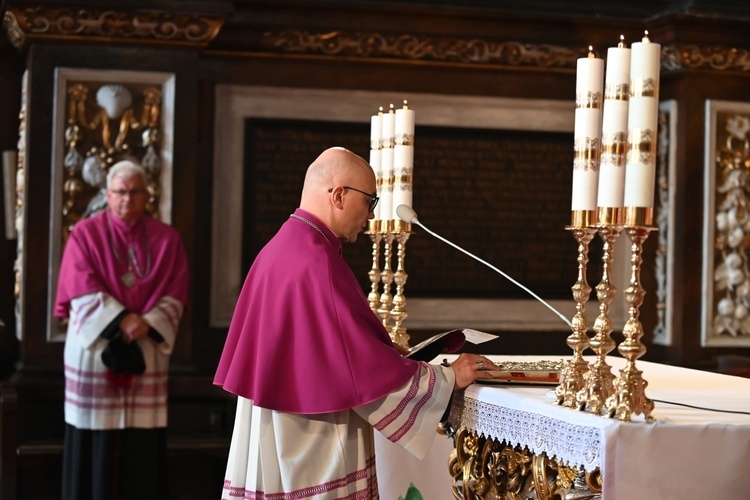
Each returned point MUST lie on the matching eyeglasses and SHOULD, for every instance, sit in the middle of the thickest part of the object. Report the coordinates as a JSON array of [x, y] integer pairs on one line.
[[373, 202], [130, 192]]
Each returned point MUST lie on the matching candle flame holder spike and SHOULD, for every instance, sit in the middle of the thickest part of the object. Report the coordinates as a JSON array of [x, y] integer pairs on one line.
[[572, 375], [629, 397], [386, 277], [373, 231], [398, 311], [598, 382]]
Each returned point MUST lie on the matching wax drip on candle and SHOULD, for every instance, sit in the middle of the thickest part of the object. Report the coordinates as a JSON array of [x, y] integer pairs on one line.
[[591, 52], [645, 37], [621, 45]]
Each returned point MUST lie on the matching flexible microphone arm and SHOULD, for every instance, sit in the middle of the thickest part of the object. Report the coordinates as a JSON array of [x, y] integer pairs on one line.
[[407, 214]]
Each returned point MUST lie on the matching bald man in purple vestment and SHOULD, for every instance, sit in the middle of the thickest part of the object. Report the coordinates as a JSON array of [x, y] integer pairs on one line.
[[123, 288], [313, 367]]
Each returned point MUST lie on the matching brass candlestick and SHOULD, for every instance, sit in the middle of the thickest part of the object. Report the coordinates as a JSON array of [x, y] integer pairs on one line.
[[598, 381], [571, 376], [629, 396], [386, 275], [398, 311], [373, 230]]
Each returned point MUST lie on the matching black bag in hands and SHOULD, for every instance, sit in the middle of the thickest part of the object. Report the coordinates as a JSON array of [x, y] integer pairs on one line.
[[123, 357]]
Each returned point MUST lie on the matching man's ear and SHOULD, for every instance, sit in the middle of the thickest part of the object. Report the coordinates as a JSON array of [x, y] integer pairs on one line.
[[337, 197]]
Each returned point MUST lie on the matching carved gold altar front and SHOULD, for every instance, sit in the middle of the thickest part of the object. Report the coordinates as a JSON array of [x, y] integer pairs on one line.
[[486, 468]]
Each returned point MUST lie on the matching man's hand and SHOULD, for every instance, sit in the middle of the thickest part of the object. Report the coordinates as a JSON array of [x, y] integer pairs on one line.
[[470, 367], [133, 327]]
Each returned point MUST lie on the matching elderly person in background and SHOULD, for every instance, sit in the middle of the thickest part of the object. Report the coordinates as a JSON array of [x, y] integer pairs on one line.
[[123, 286], [313, 366]]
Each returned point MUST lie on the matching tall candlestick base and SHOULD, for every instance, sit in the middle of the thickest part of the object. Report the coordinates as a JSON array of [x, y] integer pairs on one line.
[[572, 374], [629, 396], [398, 311], [598, 382], [386, 276], [373, 298]]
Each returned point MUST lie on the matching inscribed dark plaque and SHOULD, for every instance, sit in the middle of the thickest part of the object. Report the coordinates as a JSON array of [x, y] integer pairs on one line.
[[502, 195]]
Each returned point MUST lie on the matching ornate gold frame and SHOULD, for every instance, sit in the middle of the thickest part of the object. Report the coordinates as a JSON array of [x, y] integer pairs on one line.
[[726, 244]]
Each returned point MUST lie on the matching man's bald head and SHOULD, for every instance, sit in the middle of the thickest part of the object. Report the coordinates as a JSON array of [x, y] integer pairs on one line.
[[323, 193]]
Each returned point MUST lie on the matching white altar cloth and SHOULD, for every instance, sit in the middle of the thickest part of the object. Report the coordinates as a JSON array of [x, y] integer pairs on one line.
[[687, 453]]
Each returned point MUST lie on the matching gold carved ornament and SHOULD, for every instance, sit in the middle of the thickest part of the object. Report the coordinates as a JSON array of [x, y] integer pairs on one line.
[[100, 132], [483, 468]]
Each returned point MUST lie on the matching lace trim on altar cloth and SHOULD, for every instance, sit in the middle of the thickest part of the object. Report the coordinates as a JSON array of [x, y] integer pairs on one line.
[[574, 445]]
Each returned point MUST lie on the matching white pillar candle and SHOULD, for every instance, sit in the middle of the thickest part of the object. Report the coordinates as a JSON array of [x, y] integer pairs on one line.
[[614, 127], [587, 134], [643, 116], [403, 158], [386, 164], [376, 126]]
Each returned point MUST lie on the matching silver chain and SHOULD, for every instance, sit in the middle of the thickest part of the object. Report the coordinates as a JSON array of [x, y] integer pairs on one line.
[[312, 225]]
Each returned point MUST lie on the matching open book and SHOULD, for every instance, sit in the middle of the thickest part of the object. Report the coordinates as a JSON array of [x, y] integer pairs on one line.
[[449, 341], [525, 372]]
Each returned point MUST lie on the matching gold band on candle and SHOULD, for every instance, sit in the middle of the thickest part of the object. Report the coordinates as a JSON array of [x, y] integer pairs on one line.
[[639, 216], [644, 147], [373, 226], [644, 88], [610, 216], [642, 152], [614, 148], [617, 92], [387, 182], [641, 146], [375, 144], [591, 100], [403, 179], [387, 142], [582, 218], [587, 155], [405, 140]]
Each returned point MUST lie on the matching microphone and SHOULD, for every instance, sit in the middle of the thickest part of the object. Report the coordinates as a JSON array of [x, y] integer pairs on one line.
[[407, 214]]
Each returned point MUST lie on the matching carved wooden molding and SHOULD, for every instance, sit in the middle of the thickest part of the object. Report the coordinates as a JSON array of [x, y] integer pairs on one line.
[[93, 25], [674, 57], [414, 47], [721, 58]]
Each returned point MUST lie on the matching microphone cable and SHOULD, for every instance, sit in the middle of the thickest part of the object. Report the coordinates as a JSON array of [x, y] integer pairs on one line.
[[736, 412], [407, 214]]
